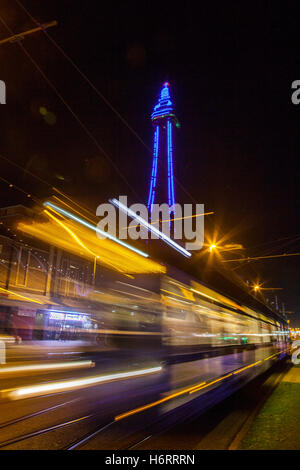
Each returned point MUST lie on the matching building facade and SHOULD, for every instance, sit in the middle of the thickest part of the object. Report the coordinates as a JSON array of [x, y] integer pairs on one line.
[[36, 278]]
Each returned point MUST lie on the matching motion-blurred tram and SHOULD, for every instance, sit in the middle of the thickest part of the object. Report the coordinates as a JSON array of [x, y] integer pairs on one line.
[[168, 314], [194, 317]]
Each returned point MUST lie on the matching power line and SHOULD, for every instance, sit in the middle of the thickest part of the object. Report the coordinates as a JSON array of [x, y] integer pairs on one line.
[[294, 237], [24, 169], [260, 257], [290, 240], [85, 77], [14, 186], [76, 117], [20, 36]]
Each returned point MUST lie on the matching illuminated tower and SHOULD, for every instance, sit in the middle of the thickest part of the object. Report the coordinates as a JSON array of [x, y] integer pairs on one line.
[[164, 120]]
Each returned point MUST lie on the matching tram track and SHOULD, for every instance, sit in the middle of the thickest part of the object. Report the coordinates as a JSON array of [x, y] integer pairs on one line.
[[141, 437], [40, 432], [220, 428], [11, 422], [157, 429]]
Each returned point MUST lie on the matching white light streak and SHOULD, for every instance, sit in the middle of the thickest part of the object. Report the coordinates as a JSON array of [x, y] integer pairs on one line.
[[96, 229], [52, 366], [47, 388], [150, 227]]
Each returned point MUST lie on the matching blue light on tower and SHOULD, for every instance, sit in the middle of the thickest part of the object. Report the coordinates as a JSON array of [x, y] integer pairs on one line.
[[163, 119], [164, 107], [154, 168]]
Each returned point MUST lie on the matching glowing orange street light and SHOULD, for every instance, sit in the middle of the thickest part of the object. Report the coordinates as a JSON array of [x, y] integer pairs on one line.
[[212, 246]]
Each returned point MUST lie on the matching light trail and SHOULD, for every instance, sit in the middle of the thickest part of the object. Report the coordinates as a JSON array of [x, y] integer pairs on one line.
[[154, 230], [21, 296], [155, 403], [92, 227], [68, 385], [53, 366], [80, 243], [211, 383], [169, 220], [73, 209], [190, 390], [247, 367], [71, 200]]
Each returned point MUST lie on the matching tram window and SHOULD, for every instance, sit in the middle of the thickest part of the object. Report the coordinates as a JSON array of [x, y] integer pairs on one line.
[[199, 321], [176, 313]]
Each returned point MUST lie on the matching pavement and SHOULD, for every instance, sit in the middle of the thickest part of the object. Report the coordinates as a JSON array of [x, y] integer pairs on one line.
[[277, 425], [293, 375]]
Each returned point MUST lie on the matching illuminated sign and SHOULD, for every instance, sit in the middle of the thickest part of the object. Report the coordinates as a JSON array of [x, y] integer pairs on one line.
[[67, 316]]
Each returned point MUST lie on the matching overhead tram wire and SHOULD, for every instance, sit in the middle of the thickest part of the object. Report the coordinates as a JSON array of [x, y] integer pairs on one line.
[[84, 76], [74, 114], [11, 162], [20, 167], [289, 241], [98, 92], [14, 186], [294, 237], [52, 86], [260, 257], [21, 36]]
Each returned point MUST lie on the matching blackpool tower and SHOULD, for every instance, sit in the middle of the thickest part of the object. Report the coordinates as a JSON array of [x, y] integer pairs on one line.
[[162, 176]]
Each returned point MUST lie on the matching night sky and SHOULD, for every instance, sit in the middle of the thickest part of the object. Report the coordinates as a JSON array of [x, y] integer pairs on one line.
[[230, 66]]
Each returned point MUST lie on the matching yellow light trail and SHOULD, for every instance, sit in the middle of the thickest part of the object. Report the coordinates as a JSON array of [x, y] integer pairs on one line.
[[96, 229], [70, 199], [170, 220], [173, 293], [269, 357], [247, 367], [190, 390], [155, 403], [21, 296], [73, 209], [227, 302], [210, 383], [79, 241], [271, 288], [71, 233], [109, 253]]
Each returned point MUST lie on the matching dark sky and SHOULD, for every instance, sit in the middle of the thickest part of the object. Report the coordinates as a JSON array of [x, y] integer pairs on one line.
[[230, 66]]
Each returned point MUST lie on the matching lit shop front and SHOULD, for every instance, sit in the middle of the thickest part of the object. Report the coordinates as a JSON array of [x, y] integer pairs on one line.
[[63, 325]]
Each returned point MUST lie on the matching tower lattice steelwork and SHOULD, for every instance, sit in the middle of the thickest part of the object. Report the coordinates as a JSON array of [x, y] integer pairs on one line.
[[164, 121]]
